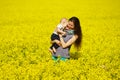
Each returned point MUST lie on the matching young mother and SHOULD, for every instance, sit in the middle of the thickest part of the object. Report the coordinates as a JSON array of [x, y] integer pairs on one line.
[[65, 42]]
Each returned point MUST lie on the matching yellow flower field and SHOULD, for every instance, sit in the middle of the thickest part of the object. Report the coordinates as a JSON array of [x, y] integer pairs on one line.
[[25, 29]]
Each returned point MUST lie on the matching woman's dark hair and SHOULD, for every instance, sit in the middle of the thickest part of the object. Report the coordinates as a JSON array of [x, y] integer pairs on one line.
[[77, 31]]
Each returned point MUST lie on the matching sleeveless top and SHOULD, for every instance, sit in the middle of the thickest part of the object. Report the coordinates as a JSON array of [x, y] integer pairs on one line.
[[64, 52]]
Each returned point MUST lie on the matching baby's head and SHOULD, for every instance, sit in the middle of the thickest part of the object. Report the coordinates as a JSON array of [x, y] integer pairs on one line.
[[64, 22]]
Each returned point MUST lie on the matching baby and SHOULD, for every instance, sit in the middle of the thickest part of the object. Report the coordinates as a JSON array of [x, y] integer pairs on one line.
[[59, 30]]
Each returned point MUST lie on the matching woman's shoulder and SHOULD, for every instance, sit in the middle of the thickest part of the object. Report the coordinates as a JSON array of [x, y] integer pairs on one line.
[[70, 32], [75, 36]]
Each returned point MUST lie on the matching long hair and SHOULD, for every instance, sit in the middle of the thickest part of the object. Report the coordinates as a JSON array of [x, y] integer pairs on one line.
[[77, 31]]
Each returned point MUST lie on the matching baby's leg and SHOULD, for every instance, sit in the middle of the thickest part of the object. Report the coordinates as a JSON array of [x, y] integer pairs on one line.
[[50, 50], [54, 49]]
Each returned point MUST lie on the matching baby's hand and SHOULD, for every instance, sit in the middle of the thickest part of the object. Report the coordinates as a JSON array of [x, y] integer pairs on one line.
[[64, 33]]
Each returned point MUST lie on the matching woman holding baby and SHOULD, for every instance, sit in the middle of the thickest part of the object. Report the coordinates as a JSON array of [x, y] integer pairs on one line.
[[73, 36]]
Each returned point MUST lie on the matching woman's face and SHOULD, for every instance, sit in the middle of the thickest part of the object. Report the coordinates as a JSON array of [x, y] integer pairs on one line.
[[70, 25]]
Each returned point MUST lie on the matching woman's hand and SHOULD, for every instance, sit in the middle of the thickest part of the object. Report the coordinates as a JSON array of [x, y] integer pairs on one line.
[[57, 42]]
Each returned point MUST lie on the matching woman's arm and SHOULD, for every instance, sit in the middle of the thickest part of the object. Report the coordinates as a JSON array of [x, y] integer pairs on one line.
[[69, 42]]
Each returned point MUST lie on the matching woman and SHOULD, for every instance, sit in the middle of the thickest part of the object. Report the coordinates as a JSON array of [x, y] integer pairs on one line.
[[66, 42]]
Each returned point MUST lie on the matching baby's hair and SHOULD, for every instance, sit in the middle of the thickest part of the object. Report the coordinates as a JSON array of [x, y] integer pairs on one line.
[[63, 19]]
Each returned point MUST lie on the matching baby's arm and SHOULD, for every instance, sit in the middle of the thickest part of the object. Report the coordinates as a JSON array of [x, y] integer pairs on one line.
[[60, 31]]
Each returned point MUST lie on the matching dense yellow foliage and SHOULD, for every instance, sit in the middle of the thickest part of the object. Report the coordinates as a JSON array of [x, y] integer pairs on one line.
[[25, 29]]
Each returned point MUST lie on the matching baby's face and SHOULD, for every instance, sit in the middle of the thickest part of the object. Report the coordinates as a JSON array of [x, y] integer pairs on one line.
[[64, 22]]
